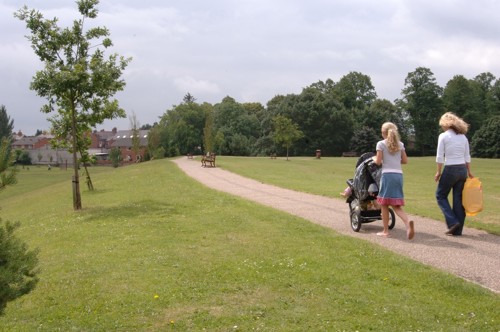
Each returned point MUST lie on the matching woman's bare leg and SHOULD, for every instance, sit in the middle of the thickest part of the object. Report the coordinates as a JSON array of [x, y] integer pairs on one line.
[[410, 229], [385, 220]]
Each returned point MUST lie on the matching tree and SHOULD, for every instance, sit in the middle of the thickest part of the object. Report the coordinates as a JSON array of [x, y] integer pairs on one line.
[[238, 125], [355, 90], [136, 140], [208, 129], [78, 81], [17, 264], [155, 149], [181, 128], [484, 88], [464, 98], [7, 172], [189, 98], [486, 141], [18, 272], [6, 124], [324, 121], [22, 157], [421, 100], [493, 99], [364, 140], [286, 132], [115, 156]]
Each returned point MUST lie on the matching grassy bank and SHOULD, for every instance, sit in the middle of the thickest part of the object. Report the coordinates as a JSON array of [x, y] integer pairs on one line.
[[153, 250], [326, 176]]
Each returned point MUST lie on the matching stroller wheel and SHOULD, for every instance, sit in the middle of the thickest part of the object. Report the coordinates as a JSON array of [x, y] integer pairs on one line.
[[356, 220], [392, 219]]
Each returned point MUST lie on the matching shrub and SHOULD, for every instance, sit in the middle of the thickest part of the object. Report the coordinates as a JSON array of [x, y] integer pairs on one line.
[[18, 274]]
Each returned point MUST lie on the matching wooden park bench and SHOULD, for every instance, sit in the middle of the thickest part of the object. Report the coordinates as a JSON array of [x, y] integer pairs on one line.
[[208, 160], [349, 154], [190, 156]]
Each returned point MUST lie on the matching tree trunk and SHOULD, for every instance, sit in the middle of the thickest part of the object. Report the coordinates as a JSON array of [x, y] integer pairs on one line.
[[77, 200], [88, 179]]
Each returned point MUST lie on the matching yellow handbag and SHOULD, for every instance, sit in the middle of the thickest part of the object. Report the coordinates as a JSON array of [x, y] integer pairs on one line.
[[472, 196]]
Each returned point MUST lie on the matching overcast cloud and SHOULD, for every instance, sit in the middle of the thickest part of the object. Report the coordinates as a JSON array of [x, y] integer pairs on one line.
[[253, 50]]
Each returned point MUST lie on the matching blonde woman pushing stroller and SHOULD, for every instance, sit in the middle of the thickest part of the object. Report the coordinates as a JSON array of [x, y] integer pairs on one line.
[[391, 154]]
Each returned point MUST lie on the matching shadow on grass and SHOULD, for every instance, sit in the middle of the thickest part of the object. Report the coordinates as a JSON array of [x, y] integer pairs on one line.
[[145, 209]]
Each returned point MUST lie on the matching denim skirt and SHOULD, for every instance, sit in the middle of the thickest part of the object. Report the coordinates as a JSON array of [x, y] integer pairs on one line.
[[391, 190]]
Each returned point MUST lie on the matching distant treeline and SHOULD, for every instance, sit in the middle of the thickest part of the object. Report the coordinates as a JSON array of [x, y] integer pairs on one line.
[[335, 117]]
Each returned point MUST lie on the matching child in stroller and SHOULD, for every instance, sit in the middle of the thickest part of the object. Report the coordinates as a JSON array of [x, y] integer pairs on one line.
[[362, 191]]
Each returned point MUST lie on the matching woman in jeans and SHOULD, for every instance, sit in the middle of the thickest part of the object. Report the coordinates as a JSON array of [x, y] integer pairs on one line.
[[452, 152]]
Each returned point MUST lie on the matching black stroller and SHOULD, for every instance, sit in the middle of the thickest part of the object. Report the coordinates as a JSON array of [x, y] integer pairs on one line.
[[363, 207]]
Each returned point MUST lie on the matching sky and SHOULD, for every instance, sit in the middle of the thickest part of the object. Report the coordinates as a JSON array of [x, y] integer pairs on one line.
[[253, 50]]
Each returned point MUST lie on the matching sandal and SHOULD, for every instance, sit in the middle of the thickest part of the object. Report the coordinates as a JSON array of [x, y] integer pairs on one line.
[[382, 234]]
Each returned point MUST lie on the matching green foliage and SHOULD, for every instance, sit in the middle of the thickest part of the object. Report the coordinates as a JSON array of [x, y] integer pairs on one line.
[[181, 129], [422, 101], [154, 140], [487, 89], [77, 80], [115, 156], [159, 153], [6, 123], [18, 273], [324, 121], [486, 141], [364, 140], [208, 130], [7, 172], [461, 97], [285, 132], [22, 157], [134, 127], [333, 117], [356, 91], [238, 125], [17, 264]]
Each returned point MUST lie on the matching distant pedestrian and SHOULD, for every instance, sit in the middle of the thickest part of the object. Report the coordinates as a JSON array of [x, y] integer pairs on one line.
[[452, 152], [391, 155]]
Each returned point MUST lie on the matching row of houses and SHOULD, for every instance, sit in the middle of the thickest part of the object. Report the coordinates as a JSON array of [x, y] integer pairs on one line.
[[41, 151]]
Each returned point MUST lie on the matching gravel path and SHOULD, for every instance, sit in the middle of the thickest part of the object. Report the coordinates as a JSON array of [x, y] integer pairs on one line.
[[474, 256]]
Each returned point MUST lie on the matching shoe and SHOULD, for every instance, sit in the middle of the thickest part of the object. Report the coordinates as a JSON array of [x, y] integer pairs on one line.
[[410, 233], [382, 234], [452, 230]]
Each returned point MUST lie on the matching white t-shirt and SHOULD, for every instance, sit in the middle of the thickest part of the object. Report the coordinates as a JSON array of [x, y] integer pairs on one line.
[[391, 161]]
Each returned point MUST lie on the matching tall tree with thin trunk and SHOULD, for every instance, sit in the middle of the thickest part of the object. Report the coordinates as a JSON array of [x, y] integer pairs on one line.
[[136, 140], [78, 80], [6, 123], [285, 132]]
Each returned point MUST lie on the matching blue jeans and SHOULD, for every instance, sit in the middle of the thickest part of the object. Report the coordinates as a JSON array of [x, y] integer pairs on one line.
[[452, 178]]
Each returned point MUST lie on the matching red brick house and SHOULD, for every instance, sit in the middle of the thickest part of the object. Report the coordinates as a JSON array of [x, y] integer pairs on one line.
[[124, 141], [102, 142]]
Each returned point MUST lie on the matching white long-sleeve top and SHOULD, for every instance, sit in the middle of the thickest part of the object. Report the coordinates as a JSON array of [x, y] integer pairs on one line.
[[452, 149]]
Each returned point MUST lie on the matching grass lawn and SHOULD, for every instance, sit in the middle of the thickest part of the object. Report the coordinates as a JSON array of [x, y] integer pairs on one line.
[[153, 250], [327, 176]]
